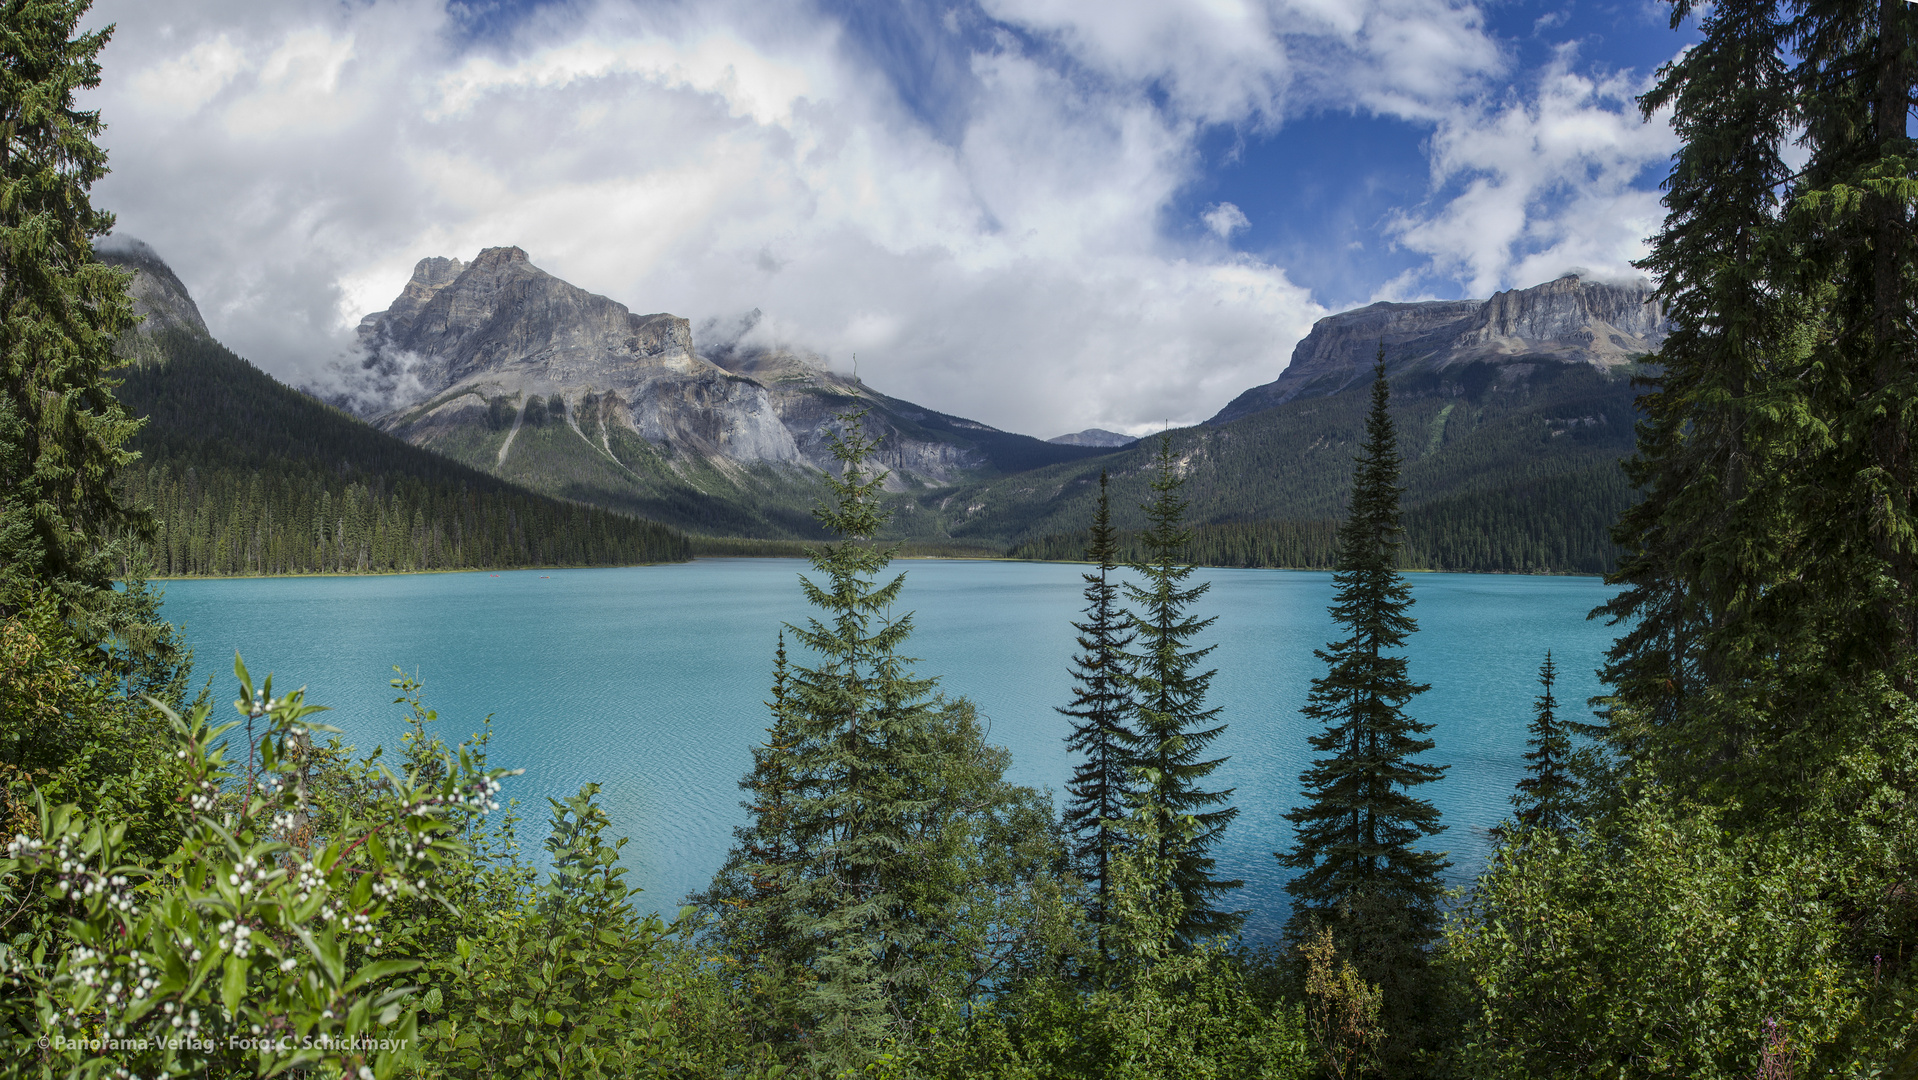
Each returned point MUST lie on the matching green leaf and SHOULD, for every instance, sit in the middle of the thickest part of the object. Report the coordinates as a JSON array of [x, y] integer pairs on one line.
[[554, 1018], [375, 971], [233, 985]]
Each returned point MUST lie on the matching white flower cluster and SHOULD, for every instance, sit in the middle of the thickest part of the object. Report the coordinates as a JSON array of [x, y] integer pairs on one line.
[[72, 878], [132, 977], [205, 799], [86, 965], [349, 922], [481, 796], [190, 949], [118, 896], [248, 874], [235, 938], [191, 1019], [309, 881]]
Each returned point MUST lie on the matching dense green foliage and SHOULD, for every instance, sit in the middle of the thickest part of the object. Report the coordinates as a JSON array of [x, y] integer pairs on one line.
[[1737, 899], [1664, 945], [1156, 1011], [1771, 572], [62, 433], [246, 476], [1553, 525], [305, 520]]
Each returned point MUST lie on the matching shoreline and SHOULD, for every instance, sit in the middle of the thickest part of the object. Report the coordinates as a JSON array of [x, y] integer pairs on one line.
[[898, 558]]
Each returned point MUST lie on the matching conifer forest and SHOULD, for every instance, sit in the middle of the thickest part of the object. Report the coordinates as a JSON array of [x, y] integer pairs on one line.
[[1710, 871]]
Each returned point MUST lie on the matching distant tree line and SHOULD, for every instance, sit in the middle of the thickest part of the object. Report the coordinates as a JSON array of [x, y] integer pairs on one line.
[[1550, 525], [296, 519]]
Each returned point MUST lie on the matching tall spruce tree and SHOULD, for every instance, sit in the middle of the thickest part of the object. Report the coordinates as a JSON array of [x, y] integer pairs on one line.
[[860, 719], [1354, 837], [1716, 433], [1174, 725], [1771, 608], [1547, 795], [62, 434], [1102, 712], [887, 870]]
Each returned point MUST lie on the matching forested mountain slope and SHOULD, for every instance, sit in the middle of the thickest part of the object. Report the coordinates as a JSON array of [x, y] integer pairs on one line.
[[246, 475], [1508, 468]]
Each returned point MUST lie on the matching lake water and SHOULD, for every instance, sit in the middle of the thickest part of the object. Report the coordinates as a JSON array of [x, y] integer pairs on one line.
[[650, 682]]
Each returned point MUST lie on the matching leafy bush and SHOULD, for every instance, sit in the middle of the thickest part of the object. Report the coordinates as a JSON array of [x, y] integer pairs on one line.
[[240, 951], [1659, 946]]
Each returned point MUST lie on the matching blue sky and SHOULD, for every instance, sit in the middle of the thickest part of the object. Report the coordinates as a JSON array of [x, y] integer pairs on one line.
[[1045, 214]]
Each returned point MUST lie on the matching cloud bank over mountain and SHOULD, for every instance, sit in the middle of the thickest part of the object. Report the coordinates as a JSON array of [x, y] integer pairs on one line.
[[982, 200]]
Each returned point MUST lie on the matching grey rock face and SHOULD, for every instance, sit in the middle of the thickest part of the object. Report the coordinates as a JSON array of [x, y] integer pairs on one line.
[[158, 294], [1568, 320], [501, 327], [467, 345], [1093, 437], [810, 400]]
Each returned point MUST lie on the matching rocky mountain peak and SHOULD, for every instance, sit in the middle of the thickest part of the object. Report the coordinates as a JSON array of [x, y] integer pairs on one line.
[[511, 369], [159, 296], [494, 258], [503, 320], [463, 340], [1567, 320]]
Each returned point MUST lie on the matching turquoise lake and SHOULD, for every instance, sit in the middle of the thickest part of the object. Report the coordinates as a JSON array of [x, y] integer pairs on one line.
[[650, 682]]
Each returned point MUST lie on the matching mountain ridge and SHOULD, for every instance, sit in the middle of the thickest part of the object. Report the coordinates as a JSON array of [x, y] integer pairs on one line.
[[510, 369], [1512, 425], [1568, 319]]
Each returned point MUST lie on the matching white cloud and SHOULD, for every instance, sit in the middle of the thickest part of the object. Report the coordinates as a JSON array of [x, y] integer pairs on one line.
[[190, 80], [706, 163], [293, 161], [1219, 61], [1548, 184], [1224, 219]]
